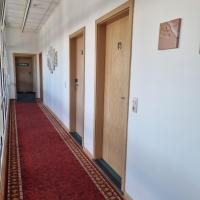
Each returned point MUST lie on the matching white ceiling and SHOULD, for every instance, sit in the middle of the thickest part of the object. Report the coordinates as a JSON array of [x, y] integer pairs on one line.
[[39, 12]]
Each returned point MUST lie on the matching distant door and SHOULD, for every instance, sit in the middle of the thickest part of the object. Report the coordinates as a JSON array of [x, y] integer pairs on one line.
[[116, 93], [77, 83], [41, 76], [24, 74]]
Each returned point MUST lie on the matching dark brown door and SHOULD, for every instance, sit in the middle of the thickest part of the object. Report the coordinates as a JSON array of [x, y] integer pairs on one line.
[[24, 74]]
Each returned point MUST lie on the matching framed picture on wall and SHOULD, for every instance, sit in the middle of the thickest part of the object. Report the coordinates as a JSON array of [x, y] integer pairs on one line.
[[169, 34]]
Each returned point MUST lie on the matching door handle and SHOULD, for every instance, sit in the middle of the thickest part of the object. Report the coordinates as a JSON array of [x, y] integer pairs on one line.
[[76, 82], [123, 98]]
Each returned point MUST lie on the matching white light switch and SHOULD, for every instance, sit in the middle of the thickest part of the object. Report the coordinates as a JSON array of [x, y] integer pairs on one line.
[[135, 105]]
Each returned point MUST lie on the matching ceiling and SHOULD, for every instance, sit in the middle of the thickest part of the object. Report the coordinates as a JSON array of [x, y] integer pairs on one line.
[[39, 12]]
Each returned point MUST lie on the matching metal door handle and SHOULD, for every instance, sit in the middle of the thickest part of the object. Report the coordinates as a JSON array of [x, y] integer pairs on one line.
[[123, 98]]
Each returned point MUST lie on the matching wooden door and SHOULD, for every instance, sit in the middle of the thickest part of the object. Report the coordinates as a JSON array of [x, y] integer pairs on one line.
[[116, 93], [24, 74], [41, 76], [79, 85]]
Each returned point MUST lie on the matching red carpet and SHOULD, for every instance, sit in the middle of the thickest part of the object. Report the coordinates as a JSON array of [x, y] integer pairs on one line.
[[53, 166]]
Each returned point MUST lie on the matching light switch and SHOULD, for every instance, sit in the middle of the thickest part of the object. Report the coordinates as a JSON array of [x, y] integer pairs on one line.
[[135, 105]]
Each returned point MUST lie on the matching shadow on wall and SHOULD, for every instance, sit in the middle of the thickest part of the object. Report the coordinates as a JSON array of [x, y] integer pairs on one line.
[[76, 12], [50, 102]]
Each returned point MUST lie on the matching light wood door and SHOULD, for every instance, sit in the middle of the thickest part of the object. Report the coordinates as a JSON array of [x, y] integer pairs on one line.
[[116, 93], [24, 74], [79, 85]]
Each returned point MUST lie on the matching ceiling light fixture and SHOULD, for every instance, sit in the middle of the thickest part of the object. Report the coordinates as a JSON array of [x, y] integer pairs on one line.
[[26, 14]]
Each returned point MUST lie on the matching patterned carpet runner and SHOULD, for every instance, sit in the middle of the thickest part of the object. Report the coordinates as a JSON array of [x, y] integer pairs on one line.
[[45, 163]]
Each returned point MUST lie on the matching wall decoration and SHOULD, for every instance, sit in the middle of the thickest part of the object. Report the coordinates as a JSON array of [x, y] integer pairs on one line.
[[52, 59], [169, 34]]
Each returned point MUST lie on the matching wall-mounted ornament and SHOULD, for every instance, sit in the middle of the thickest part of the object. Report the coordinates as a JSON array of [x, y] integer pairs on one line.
[[169, 34], [52, 59]]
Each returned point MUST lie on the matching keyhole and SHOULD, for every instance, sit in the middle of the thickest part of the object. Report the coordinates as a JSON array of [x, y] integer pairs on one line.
[[119, 45], [76, 82]]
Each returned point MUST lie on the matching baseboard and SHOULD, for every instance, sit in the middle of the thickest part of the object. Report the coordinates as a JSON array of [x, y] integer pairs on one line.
[[57, 118], [88, 153], [67, 130], [77, 137], [126, 195]]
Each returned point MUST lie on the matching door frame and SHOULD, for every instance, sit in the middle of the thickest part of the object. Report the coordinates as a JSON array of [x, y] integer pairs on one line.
[[41, 75], [125, 9], [33, 56], [72, 102]]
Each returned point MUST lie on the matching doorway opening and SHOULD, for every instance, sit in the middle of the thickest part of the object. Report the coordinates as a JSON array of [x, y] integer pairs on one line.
[[77, 84], [113, 61], [25, 77]]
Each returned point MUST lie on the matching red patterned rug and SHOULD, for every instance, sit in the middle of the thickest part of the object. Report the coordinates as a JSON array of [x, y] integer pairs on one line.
[[53, 166]]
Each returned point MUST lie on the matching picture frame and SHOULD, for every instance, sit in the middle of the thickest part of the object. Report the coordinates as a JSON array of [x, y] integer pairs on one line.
[[169, 34]]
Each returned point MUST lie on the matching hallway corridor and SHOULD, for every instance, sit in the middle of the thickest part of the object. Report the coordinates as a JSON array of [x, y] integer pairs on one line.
[[53, 166], [99, 100]]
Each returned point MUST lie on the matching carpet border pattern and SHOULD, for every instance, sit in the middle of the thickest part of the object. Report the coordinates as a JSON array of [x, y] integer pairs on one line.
[[14, 184], [14, 180], [102, 183]]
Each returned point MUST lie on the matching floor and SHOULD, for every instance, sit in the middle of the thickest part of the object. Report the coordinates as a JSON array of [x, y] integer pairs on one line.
[[46, 163]]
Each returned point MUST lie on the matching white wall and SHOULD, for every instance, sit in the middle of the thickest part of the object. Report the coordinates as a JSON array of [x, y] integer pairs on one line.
[[163, 137], [18, 42], [163, 141]]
